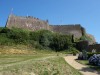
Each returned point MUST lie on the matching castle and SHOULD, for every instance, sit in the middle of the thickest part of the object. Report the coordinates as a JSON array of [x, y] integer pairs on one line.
[[33, 24]]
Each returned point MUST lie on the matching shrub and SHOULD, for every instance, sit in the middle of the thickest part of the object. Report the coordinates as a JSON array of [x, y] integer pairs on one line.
[[18, 35], [15, 35], [83, 55], [55, 41], [5, 41], [42, 39], [60, 42], [34, 36], [72, 50], [4, 30], [45, 38], [95, 60], [91, 54]]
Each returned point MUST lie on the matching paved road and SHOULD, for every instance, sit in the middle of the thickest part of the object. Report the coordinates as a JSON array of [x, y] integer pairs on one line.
[[85, 70]]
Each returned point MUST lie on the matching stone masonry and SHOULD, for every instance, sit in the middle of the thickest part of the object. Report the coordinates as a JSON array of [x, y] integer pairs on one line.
[[33, 24]]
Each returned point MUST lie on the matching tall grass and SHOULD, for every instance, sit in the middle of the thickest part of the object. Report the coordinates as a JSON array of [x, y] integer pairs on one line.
[[48, 65]]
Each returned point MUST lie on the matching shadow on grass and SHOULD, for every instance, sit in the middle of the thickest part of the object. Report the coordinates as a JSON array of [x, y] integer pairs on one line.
[[90, 69]]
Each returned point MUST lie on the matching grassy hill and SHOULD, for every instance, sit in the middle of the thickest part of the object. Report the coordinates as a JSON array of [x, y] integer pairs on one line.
[[43, 63], [34, 53]]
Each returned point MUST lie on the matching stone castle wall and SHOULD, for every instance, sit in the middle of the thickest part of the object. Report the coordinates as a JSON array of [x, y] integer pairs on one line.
[[33, 24], [26, 23], [68, 29]]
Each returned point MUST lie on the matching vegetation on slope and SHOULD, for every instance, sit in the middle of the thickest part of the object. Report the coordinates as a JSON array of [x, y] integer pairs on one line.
[[19, 54], [42, 39]]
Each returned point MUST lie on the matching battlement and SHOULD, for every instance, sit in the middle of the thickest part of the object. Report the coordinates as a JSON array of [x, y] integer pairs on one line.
[[32, 23]]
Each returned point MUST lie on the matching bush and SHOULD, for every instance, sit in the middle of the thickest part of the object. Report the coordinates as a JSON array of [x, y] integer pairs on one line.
[[91, 54], [95, 60], [4, 30], [35, 44], [54, 41], [72, 50], [34, 36], [83, 55], [45, 38], [42, 39], [60, 42], [18, 36], [5, 41]]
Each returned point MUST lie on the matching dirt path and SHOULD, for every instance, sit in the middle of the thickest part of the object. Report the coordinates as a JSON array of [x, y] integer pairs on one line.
[[85, 70]]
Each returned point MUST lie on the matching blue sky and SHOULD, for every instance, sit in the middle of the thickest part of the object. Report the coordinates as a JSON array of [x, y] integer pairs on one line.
[[84, 12]]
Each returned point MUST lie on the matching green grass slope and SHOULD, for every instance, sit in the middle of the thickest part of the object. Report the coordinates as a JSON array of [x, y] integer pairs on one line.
[[38, 64]]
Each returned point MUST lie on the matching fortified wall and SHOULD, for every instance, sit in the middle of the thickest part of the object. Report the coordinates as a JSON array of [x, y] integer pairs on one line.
[[68, 29], [29, 22], [32, 23]]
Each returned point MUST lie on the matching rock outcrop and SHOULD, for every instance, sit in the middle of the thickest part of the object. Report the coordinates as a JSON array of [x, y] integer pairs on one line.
[[92, 39]]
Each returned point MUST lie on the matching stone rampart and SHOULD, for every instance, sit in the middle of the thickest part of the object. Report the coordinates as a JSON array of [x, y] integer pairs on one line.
[[32, 23], [29, 22], [68, 29]]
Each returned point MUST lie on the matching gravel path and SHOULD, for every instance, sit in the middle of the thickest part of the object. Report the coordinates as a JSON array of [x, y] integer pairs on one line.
[[85, 70]]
